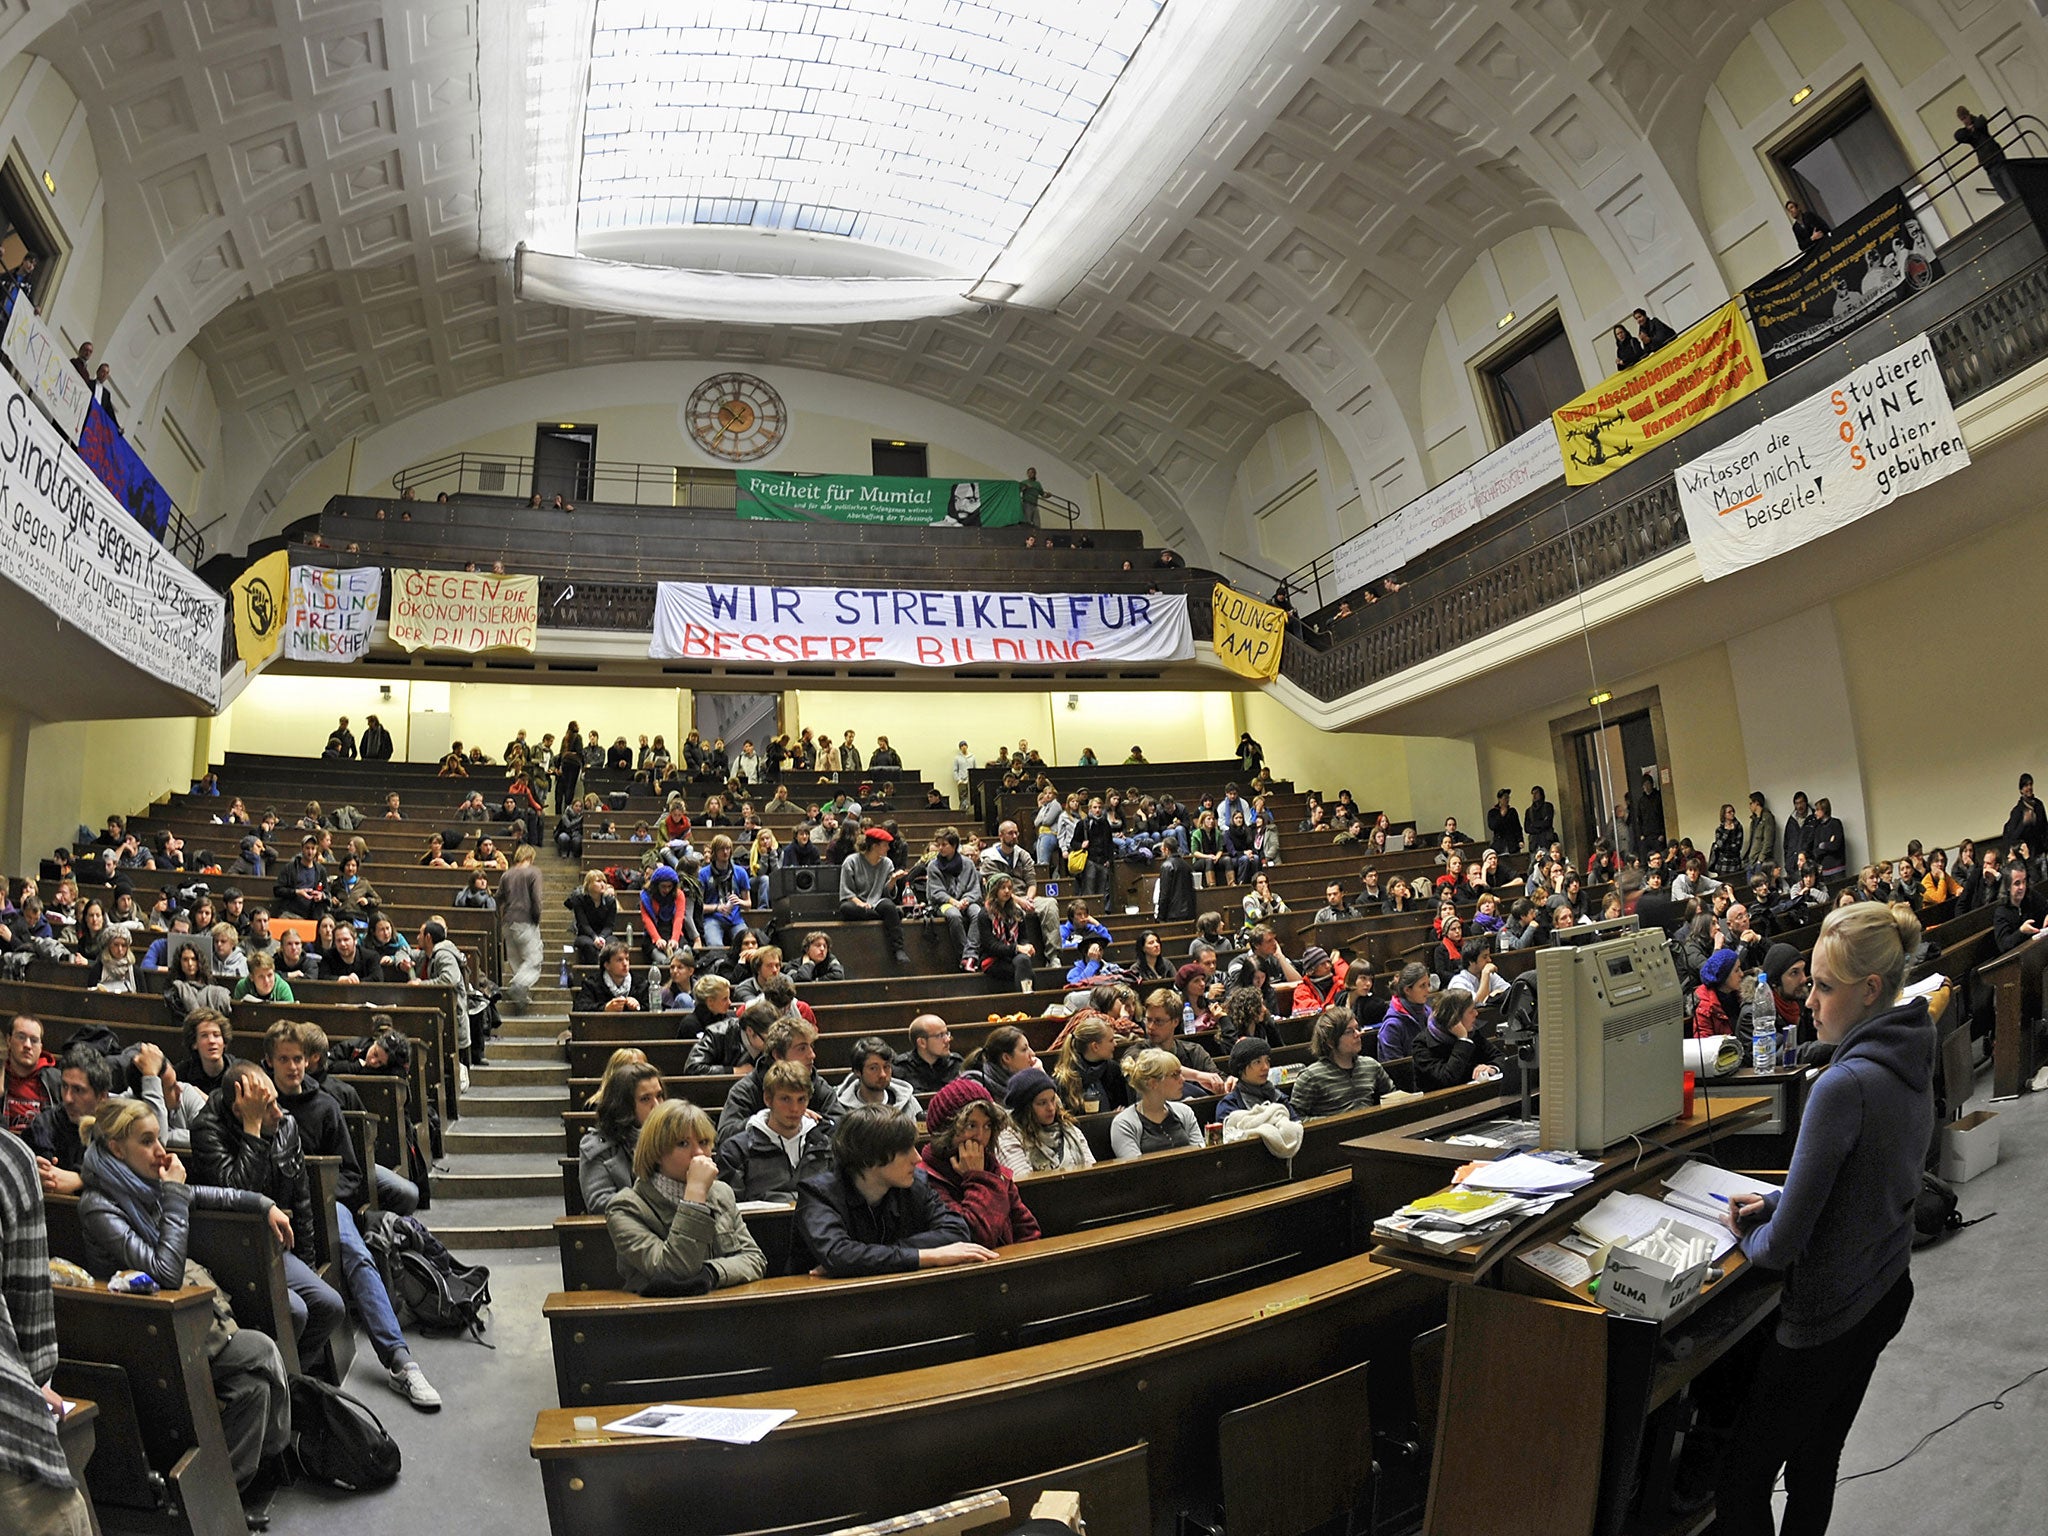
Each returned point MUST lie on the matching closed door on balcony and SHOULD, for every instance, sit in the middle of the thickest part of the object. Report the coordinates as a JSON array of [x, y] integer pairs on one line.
[[1530, 380], [564, 458]]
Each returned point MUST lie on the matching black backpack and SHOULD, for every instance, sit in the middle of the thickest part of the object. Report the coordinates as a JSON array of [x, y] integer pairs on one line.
[[442, 1294], [336, 1440], [1935, 1215]]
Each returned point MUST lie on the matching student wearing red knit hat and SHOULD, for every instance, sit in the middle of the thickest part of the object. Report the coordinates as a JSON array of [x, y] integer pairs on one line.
[[961, 1164]]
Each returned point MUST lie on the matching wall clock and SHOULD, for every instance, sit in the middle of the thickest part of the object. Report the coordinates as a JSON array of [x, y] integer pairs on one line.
[[736, 417]]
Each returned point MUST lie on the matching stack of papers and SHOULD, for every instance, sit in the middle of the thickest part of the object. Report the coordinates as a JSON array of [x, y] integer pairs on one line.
[[1621, 1219], [1540, 1173], [682, 1421], [1453, 1217], [1705, 1190]]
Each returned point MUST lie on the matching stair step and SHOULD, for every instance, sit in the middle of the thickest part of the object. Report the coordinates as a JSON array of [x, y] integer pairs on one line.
[[530, 1182], [464, 1139], [511, 1222], [519, 1074], [472, 1239], [544, 1101], [535, 1049]]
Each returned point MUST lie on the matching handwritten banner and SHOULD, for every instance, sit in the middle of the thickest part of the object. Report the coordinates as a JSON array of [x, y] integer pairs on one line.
[[1672, 390], [39, 357], [880, 499], [1879, 258], [1247, 632], [1882, 432], [72, 548], [462, 611], [703, 621], [332, 613], [1468, 498]]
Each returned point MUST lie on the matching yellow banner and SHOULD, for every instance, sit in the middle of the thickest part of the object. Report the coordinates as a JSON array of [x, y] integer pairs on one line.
[[1248, 633], [463, 611], [1678, 386], [262, 600]]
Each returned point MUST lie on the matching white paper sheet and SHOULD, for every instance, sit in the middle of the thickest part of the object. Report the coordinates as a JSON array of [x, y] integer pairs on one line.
[[1522, 1174], [679, 1421], [1561, 1265]]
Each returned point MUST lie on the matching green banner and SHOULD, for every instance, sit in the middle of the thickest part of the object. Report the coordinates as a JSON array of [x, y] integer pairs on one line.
[[881, 499]]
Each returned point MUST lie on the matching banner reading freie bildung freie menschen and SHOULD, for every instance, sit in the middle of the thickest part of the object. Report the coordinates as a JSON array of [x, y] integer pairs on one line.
[[697, 620]]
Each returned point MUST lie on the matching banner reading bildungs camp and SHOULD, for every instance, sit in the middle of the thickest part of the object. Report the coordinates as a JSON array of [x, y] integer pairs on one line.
[[1881, 432], [463, 611], [1248, 633], [712, 621], [880, 499], [1678, 386], [1878, 258], [332, 613]]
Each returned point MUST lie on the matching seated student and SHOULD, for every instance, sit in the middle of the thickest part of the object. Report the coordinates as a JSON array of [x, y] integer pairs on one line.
[[136, 1213], [786, 1040], [2022, 912], [726, 893], [610, 989], [1245, 1017], [1080, 927], [1717, 1000], [1407, 1014], [1343, 1076], [227, 963], [1334, 908], [678, 1231], [726, 1041], [1358, 997], [57, 1134], [594, 909], [1263, 964], [1003, 954], [242, 1139], [1251, 1068], [953, 891], [1041, 1136], [866, 881], [1162, 1024], [1152, 966], [665, 913], [873, 1080], [625, 1099], [151, 1077], [1786, 975], [1157, 1121], [1322, 981], [960, 1163], [1476, 973], [32, 1080], [875, 1213], [1087, 1073], [754, 965], [673, 989], [817, 962], [263, 984], [931, 1063], [1005, 1051], [1209, 931], [781, 1143], [1453, 1050]]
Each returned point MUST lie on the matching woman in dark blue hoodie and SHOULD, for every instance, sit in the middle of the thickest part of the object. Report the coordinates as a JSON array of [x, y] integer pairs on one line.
[[1841, 1230]]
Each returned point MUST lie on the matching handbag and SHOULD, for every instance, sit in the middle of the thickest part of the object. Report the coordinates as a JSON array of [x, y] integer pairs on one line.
[[1077, 861]]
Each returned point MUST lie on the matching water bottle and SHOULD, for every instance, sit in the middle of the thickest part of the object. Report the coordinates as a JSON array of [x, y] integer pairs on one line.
[[1763, 1023], [567, 951]]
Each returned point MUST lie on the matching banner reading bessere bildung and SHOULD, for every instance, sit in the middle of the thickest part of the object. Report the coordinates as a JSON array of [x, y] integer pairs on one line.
[[1672, 390], [880, 499]]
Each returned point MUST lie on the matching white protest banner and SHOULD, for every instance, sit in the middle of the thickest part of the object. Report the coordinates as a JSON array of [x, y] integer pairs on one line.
[[73, 548], [710, 621], [38, 356], [333, 612], [1881, 432], [463, 611], [1468, 498]]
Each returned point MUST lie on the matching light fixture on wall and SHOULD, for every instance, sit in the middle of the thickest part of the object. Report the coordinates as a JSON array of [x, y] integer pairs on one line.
[[1073, 701], [1801, 94], [49, 184], [1504, 321], [384, 693], [1600, 698]]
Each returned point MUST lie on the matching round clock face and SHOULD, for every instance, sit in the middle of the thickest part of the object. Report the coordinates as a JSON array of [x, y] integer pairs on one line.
[[737, 417]]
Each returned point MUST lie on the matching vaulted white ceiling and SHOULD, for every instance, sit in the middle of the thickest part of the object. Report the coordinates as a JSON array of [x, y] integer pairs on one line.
[[291, 187]]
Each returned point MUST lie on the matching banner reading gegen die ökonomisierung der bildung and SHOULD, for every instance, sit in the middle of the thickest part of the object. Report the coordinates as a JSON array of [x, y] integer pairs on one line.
[[960, 503], [1669, 392]]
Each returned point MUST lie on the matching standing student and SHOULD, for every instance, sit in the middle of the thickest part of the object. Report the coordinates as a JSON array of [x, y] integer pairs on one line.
[[1841, 1229], [37, 1493]]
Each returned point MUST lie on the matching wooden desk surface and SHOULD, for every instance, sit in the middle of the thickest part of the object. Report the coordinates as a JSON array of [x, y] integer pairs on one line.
[[834, 1404]]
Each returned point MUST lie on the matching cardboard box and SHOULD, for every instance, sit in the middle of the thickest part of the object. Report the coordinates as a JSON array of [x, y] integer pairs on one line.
[[1969, 1146], [1636, 1285]]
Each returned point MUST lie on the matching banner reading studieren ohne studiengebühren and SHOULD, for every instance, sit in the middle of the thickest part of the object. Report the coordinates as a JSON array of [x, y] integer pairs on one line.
[[1881, 432], [880, 499], [69, 546], [332, 613], [698, 620], [463, 611], [1669, 392]]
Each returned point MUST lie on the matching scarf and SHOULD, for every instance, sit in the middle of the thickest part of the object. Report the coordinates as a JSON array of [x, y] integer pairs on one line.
[[140, 1202], [675, 1191]]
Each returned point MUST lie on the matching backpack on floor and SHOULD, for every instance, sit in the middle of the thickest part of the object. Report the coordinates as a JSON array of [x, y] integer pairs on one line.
[[338, 1441], [1935, 1215], [425, 1280]]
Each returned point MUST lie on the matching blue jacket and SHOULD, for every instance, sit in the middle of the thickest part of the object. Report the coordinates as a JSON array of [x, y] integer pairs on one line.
[[720, 887], [1076, 936], [1842, 1227], [1399, 1031]]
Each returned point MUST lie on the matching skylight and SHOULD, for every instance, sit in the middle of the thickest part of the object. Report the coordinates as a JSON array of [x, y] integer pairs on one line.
[[929, 127]]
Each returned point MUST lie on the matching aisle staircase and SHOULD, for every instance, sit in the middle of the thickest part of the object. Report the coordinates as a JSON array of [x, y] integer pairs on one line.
[[500, 1184]]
